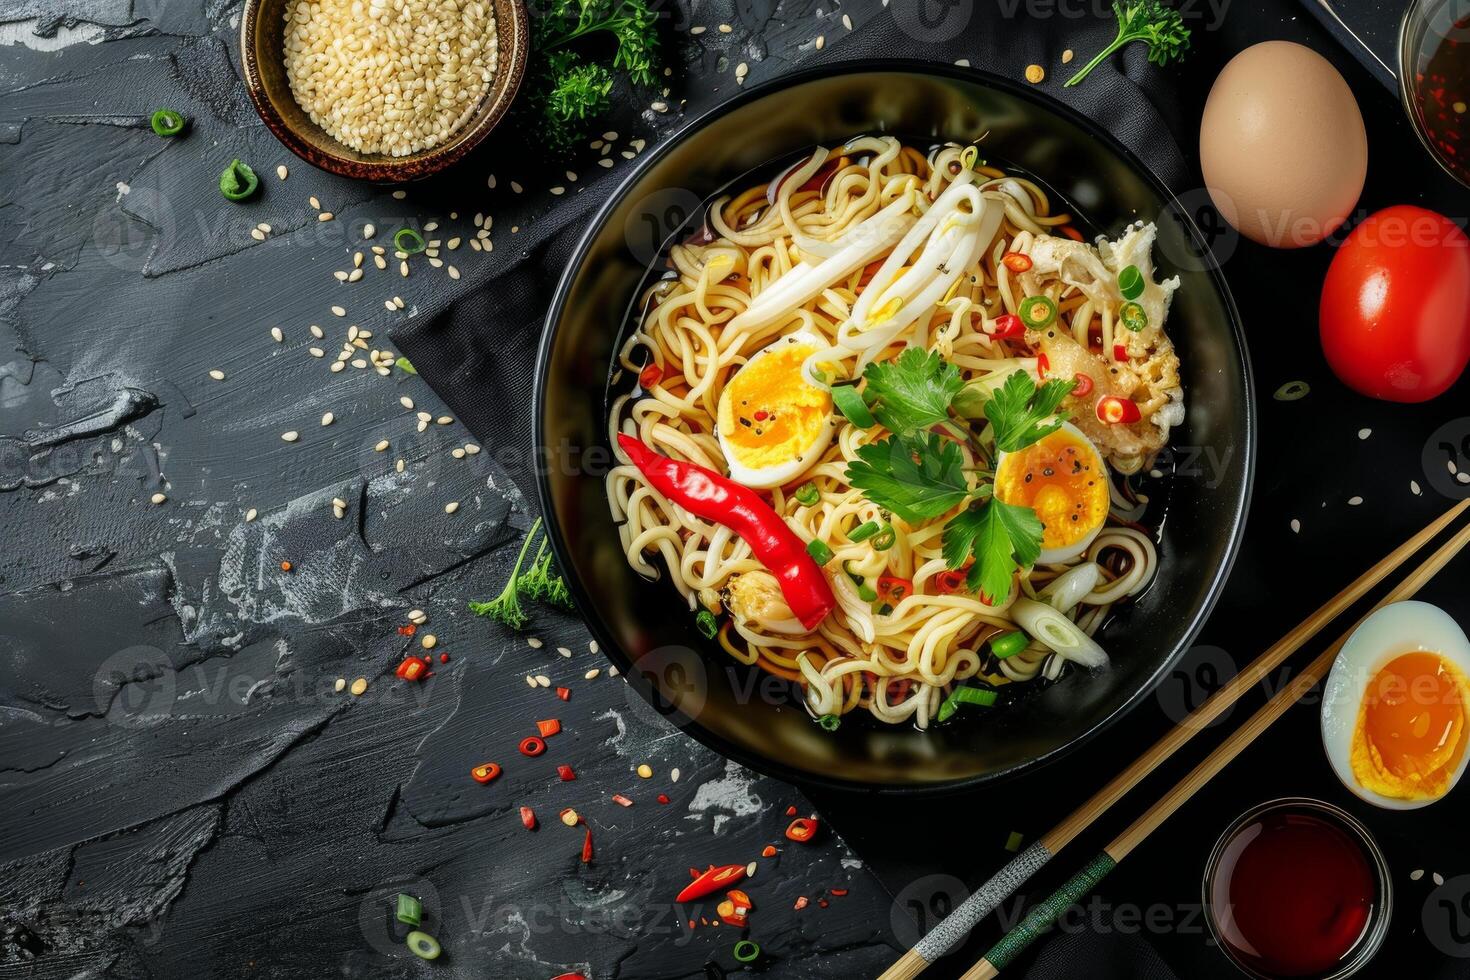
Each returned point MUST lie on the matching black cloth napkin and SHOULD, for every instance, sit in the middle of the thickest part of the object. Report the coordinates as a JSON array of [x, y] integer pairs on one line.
[[477, 344]]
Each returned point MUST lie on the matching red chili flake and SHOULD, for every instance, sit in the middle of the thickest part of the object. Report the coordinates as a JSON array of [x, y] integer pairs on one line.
[[769, 851], [565, 693], [408, 630], [444, 658], [662, 798], [1017, 262], [412, 669], [548, 728], [800, 903], [1072, 233], [1120, 352], [566, 774], [791, 811], [485, 772], [838, 892], [285, 566], [531, 745], [528, 818], [587, 847], [621, 800], [1008, 325], [650, 376], [822, 903]]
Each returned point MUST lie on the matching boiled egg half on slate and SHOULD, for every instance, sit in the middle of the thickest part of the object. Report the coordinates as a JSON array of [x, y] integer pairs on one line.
[[772, 422], [1394, 708], [1061, 477]]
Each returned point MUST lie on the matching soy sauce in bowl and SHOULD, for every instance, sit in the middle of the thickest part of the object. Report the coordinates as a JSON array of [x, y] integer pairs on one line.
[[1434, 80], [1297, 888]]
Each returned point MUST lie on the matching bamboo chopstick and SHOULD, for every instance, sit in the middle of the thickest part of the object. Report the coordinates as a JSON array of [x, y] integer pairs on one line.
[[1041, 918], [951, 931]]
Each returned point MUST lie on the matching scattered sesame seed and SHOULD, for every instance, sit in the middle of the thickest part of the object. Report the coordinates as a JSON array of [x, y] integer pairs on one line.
[[399, 195], [1437, 878], [1354, 501], [451, 507], [1415, 488], [381, 446], [355, 274], [291, 436], [340, 685], [1296, 526], [530, 681], [645, 771], [821, 42], [698, 29], [337, 366], [340, 275], [963, 62], [457, 453], [328, 418], [217, 375], [315, 204], [250, 515], [453, 272], [471, 449], [425, 417], [564, 651], [558, 190], [543, 681], [726, 28], [406, 402], [591, 674], [659, 107], [1067, 56], [359, 687], [1364, 433], [674, 775], [316, 331], [533, 642], [403, 268], [445, 420], [257, 234], [515, 187], [158, 498], [276, 335], [399, 466], [429, 641], [316, 352], [593, 647], [338, 311], [281, 171], [605, 162], [325, 216], [847, 22]]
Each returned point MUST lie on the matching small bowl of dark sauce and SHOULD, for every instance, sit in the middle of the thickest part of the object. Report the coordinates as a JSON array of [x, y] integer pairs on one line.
[[1297, 888], [1434, 80]]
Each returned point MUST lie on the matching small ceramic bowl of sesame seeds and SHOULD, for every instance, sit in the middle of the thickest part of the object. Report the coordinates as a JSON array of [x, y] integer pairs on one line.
[[384, 90]]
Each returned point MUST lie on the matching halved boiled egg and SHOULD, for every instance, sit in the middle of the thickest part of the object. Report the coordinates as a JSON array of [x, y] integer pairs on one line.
[[772, 422], [1062, 478], [1394, 710]]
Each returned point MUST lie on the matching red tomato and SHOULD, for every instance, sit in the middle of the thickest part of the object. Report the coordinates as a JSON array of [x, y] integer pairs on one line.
[[1395, 313]]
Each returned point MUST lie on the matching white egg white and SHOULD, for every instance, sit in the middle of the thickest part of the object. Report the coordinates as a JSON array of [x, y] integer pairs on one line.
[[1394, 630], [776, 475], [1055, 556]]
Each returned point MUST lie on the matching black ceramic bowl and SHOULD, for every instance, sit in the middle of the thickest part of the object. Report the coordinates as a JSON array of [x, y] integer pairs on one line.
[[643, 626]]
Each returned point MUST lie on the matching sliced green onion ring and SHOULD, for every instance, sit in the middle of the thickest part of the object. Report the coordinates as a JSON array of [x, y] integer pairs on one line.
[[867, 593], [850, 404], [807, 494], [707, 624], [415, 241], [829, 723], [982, 696], [746, 951], [1009, 644], [1056, 631], [238, 181], [409, 910], [821, 554], [167, 122], [1292, 391], [422, 945], [1133, 316], [1037, 312], [864, 531], [1130, 282], [885, 539]]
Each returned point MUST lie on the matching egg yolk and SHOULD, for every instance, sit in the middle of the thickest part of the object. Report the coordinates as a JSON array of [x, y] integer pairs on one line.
[[1410, 734], [1060, 478], [768, 413]]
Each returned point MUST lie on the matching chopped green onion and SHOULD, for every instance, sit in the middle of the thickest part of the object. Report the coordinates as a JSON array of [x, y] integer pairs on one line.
[[851, 405], [1037, 312], [808, 494], [422, 945], [1013, 842], [1009, 644], [885, 539], [707, 624], [1130, 282], [1292, 391], [746, 951], [167, 122], [983, 696], [864, 531], [867, 593], [402, 364], [238, 181], [821, 554], [829, 723], [1133, 317], [408, 241], [410, 911]]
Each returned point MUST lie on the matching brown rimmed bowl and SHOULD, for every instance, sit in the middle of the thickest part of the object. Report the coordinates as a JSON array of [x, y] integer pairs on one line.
[[262, 56]]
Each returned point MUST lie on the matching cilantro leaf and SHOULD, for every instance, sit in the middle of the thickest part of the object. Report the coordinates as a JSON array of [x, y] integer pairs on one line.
[[1000, 537], [913, 392], [918, 476], [1022, 414]]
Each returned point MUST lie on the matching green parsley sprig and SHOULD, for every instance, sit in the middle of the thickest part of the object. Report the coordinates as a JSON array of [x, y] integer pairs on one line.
[[1160, 27], [569, 88], [919, 473]]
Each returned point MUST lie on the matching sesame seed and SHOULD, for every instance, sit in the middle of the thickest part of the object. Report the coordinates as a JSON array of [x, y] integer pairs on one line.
[[516, 187], [359, 363], [403, 268], [291, 436], [354, 275], [406, 402], [399, 466], [359, 687], [337, 366], [471, 449], [726, 28], [1354, 501], [328, 419], [533, 642], [340, 275], [380, 262], [417, 616], [1067, 56], [453, 272], [339, 503], [659, 107], [847, 22], [325, 216], [250, 515], [315, 204], [558, 191], [340, 685], [543, 681], [276, 335], [1364, 433], [316, 331], [281, 171], [592, 646], [674, 775], [1415, 488], [821, 42], [316, 352], [591, 674], [1296, 526], [158, 498], [444, 420], [338, 311], [698, 29], [605, 162], [257, 234], [530, 681], [399, 195], [381, 446], [425, 417], [451, 507], [490, 182], [457, 453], [217, 375], [429, 641]]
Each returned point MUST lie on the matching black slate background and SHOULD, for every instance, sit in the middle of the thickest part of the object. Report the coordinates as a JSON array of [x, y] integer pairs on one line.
[[182, 793]]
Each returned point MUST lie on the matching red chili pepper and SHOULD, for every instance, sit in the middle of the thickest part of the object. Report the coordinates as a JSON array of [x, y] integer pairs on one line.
[[565, 693], [711, 880], [1008, 325], [1115, 411], [707, 494], [531, 745], [587, 847], [1120, 352], [950, 581], [663, 798], [1016, 261], [528, 818], [621, 800], [1083, 387], [1043, 364], [566, 774], [891, 589], [650, 376], [1072, 233], [412, 669], [802, 830], [485, 772], [569, 976], [548, 728]]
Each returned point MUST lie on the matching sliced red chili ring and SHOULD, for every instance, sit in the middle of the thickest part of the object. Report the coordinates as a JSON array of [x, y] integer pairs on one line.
[[531, 745], [1120, 352], [566, 773], [548, 728], [485, 772], [950, 580], [663, 798], [1083, 387], [802, 830], [1118, 411], [1016, 261], [565, 693], [1008, 325], [891, 588], [730, 914]]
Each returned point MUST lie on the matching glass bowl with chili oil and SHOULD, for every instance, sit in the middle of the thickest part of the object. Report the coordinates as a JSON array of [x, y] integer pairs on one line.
[[1297, 888], [1434, 80]]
